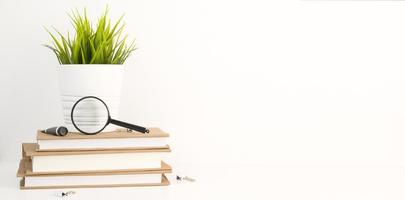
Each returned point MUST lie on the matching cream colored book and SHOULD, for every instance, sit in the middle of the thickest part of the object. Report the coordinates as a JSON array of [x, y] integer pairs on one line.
[[85, 179], [94, 160], [163, 182], [25, 169], [120, 139]]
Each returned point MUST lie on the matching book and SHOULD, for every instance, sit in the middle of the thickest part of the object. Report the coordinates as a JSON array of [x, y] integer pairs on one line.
[[164, 168], [91, 179], [119, 139], [93, 160], [113, 159]]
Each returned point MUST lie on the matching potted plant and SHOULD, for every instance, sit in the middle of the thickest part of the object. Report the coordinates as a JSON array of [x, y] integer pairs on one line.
[[91, 62]]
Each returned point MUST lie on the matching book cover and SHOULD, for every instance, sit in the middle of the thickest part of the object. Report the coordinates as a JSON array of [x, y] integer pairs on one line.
[[112, 159], [120, 139], [86, 179]]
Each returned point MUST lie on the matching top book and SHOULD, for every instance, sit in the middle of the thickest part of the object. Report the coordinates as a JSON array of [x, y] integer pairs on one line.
[[119, 139]]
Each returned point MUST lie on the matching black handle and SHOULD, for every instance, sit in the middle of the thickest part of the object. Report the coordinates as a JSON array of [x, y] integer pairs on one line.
[[129, 126]]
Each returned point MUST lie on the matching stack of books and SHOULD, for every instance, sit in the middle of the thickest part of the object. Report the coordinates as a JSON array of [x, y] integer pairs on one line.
[[113, 159]]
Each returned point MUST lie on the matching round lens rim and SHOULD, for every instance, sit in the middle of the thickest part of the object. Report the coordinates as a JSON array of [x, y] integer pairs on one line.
[[73, 121]]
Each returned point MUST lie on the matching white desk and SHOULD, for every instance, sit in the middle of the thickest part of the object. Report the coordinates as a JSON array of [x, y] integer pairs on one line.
[[242, 182]]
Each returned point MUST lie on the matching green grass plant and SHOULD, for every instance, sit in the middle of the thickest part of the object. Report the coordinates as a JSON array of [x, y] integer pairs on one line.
[[100, 44]]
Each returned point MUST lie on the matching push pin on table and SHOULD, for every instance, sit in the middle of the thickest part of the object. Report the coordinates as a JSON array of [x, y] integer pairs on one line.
[[65, 194], [185, 178]]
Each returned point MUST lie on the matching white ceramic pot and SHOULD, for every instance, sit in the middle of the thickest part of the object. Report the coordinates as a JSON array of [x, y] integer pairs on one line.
[[102, 81]]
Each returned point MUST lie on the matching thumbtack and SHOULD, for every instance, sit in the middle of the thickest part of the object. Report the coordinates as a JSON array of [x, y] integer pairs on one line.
[[186, 178], [65, 194]]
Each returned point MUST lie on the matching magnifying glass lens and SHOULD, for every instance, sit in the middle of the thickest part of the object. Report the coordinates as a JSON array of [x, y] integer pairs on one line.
[[90, 115]]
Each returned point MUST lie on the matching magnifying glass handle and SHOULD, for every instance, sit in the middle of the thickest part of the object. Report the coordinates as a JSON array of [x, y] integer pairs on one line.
[[129, 126]]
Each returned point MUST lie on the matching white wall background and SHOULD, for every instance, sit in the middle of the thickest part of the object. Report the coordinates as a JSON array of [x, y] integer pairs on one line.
[[283, 82]]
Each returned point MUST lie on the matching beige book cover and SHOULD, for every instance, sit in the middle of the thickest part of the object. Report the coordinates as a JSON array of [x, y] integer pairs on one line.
[[120, 133], [30, 149], [24, 171], [164, 182]]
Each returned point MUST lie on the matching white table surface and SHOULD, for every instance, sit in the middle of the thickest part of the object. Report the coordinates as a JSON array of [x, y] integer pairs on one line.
[[242, 182]]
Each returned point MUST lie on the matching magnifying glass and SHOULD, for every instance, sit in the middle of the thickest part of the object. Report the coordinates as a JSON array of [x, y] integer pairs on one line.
[[90, 115]]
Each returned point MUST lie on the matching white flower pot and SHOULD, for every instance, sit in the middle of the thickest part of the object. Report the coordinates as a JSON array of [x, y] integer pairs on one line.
[[102, 81]]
